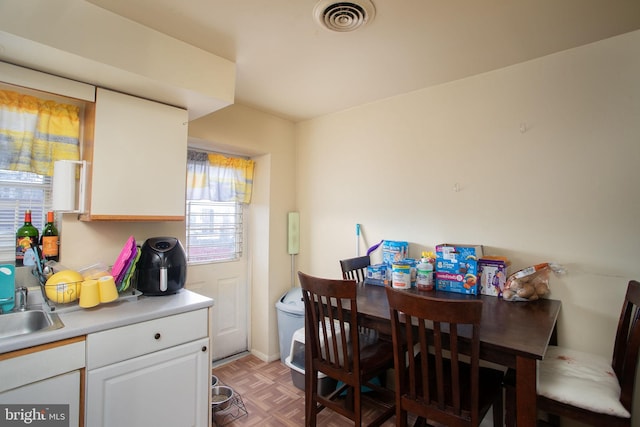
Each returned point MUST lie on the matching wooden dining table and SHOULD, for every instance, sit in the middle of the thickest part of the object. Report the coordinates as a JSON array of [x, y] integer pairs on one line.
[[512, 334]]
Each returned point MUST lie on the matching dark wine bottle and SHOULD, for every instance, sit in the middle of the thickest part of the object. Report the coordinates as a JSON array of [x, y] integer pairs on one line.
[[26, 238], [50, 240]]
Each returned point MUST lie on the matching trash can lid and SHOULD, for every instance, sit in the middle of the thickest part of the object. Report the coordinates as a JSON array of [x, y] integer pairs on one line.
[[292, 302]]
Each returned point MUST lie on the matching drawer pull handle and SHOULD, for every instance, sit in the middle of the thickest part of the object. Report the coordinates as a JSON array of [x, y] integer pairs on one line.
[[204, 348], [157, 336]]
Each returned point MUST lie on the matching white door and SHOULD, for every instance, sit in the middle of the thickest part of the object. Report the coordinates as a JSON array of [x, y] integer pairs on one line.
[[228, 284]]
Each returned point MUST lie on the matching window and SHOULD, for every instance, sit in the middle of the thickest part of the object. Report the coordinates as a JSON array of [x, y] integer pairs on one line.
[[218, 189], [20, 191], [214, 231], [36, 129]]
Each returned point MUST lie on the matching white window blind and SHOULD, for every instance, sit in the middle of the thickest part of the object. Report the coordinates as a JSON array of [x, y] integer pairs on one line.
[[20, 191], [214, 231]]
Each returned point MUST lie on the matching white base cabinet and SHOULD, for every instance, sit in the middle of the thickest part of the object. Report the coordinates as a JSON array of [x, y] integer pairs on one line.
[[165, 388], [44, 375], [60, 390], [154, 373]]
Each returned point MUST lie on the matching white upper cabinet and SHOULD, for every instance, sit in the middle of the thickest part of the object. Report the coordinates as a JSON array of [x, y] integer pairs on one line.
[[136, 153]]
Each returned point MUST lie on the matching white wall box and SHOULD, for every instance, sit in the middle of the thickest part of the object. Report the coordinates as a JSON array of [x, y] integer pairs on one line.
[[151, 373], [25, 378], [136, 152]]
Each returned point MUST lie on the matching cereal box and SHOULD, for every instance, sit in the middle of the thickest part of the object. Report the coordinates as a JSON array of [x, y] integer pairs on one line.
[[493, 276]]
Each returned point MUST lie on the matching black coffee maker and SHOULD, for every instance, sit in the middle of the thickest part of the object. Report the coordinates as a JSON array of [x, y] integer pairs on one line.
[[162, 267]]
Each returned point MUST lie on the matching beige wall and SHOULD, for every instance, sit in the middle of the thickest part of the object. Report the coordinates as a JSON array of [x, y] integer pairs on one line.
[[270, 142], [565, 188], [542, 155], [237, 130]]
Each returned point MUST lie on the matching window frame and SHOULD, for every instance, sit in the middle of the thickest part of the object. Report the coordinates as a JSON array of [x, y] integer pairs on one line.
[[212, 219], [12, 208]]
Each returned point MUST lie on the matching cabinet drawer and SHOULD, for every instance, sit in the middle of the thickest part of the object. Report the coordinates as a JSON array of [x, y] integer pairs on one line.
[[39, 363], [118, 344]]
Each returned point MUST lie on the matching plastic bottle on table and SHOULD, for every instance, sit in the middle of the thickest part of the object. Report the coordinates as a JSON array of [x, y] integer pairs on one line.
[[424, 280]]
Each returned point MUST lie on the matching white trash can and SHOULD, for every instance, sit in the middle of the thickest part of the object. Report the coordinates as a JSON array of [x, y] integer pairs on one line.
[[290, 312]]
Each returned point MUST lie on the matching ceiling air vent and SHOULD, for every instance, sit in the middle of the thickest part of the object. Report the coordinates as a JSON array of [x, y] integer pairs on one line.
[[343, 16]]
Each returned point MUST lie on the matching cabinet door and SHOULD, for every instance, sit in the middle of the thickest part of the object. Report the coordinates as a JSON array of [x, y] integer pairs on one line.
[[62, 389], [166, 388], [136, 151]]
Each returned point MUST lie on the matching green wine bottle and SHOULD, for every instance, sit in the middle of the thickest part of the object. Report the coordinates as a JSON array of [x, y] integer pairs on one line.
[[50, 240], [26, 238]]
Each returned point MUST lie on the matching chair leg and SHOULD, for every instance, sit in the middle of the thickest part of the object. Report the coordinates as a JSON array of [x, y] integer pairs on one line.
[[357, 406], [510, 406], [553, 419], [401, 416], [309, 401], [498, 413], [349, 399], [420, 422]]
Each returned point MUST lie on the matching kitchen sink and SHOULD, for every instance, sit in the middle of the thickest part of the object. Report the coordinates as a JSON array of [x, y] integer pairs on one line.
[[28, 322]]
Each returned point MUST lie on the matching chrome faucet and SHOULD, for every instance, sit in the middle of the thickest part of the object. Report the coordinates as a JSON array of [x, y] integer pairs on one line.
[[21, 298]]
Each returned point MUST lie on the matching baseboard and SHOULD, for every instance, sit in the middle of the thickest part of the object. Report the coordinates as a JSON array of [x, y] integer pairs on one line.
[[265, 357], [229, 359]]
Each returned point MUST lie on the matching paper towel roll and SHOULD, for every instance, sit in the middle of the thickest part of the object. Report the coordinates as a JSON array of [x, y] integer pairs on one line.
[[64, 186]]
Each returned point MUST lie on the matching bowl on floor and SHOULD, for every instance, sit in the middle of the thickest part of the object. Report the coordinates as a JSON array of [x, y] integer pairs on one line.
[[221, 397]]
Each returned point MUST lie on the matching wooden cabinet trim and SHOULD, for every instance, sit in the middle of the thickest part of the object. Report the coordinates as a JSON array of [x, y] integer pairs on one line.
[[43, 347]]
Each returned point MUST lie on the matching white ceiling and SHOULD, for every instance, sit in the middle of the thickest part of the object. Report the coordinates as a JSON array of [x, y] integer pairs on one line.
[[289, 66]]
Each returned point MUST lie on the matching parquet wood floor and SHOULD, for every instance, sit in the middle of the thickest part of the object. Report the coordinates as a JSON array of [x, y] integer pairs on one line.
[[271, 399]]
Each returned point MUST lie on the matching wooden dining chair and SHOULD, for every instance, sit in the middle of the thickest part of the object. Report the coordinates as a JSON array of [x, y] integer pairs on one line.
[[355, 268], [439, 384], [332, 347], [587, 387]]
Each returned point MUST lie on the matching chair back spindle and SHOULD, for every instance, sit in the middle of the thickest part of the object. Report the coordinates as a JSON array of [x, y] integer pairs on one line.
[[442, 381], [355, 268], [627, 344], [333, 347]]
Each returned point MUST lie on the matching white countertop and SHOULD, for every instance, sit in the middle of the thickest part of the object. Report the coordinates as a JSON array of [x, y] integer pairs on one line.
[[109, 316]]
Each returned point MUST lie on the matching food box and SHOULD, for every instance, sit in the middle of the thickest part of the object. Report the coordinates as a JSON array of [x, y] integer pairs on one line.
[[455, 282], [393, 251], [377, 274], [457, 268], [493, 275]]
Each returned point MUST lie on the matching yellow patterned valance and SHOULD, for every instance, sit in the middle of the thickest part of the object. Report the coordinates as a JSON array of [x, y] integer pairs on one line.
[[34, 133], [218, 178]]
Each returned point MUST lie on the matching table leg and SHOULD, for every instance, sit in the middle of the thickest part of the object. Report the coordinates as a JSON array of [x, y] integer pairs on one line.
[[526, 411]]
